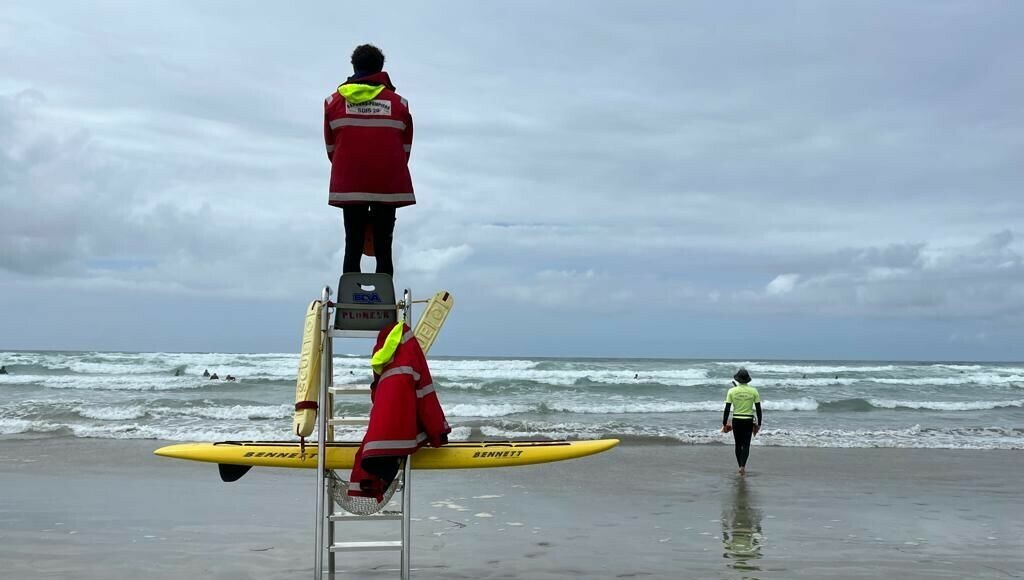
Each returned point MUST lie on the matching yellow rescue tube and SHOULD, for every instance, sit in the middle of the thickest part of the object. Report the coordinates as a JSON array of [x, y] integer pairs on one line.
[[307, 384], [429, 325]]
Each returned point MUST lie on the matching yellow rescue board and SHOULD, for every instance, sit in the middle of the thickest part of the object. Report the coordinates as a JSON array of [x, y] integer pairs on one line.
[[456, 455]]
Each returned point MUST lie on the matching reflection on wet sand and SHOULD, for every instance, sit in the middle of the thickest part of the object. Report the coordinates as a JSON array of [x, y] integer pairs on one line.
[[741, 530]]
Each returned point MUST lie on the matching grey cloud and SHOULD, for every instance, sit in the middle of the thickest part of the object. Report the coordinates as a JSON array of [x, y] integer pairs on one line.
[[867, 157], [69, 200], [983, 280]]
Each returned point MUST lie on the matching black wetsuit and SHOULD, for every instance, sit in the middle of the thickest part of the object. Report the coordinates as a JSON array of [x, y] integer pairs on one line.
[[742, 431]]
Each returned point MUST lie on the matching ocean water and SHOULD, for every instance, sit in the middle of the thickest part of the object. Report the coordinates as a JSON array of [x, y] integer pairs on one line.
[[806, 403]]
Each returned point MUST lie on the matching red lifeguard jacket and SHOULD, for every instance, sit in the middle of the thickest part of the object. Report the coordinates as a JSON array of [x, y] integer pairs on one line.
[[368, 133], [406, 415]]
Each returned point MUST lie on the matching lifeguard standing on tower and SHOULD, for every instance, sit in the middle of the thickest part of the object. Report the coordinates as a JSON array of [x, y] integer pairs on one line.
[[368, 133]]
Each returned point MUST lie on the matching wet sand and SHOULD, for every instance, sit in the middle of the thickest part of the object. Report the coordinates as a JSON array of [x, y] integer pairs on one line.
[[98, 509]]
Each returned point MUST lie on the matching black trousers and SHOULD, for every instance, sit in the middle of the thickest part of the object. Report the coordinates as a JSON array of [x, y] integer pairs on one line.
[[742, 430], [382, 218]]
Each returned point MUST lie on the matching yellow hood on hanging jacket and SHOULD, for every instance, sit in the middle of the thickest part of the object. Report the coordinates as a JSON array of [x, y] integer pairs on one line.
[[382, 357]]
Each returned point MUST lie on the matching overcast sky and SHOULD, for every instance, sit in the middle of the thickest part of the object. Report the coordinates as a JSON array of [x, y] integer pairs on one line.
[[735, 180]]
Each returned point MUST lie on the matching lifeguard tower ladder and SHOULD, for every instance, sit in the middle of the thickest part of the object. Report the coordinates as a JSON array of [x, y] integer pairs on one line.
[[366, 303]]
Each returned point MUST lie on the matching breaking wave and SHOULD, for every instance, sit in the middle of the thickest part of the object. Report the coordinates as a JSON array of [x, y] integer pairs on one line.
[[811, 403], [862, 405]]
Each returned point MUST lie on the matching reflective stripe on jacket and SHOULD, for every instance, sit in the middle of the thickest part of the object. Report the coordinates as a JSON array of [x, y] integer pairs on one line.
[[368, 134]]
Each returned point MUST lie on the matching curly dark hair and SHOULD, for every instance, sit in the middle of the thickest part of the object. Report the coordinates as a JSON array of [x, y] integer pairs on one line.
[[367, 59]]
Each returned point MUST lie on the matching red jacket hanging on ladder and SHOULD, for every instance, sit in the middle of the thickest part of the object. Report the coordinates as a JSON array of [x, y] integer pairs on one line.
[[405, 416]]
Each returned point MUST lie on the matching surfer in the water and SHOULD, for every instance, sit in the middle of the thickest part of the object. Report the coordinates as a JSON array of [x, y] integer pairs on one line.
[[743, 400]]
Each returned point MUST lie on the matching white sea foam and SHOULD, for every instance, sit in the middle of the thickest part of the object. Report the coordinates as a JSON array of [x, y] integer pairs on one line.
[[801, 369], [494, 371], [798, 382], [980, 379], [911, 437], [122, 382], [112, 413], [984, 380], [957, 367], [552, 432], [130, 412], [661, 406], [635, 407], [111, 368], [462, 385], [233, 412], [271, 365], [12, 426], [210, 433], [486, 410], [180, 431], [804, 404], [508, 367], [19, 379], [946, 405]]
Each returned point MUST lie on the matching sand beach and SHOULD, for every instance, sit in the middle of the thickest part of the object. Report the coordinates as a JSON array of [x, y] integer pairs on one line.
[[93, 508]]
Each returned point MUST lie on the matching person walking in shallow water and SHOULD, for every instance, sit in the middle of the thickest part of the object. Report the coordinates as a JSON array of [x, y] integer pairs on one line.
[[743, 401]]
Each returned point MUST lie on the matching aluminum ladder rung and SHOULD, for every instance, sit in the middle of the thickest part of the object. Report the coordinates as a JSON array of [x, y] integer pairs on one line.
[[382, 516], [335, 333], [366, 546], [349, 421], [349, 390]]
